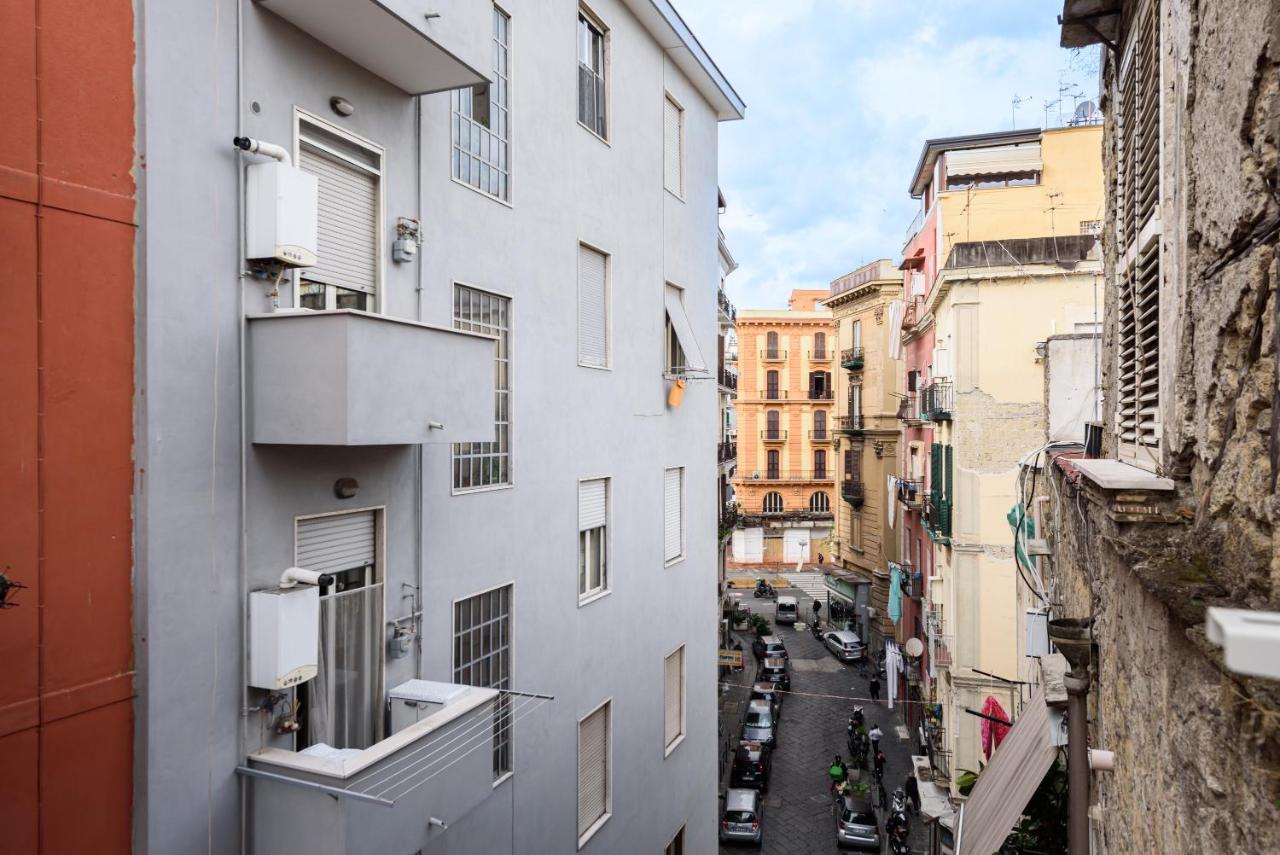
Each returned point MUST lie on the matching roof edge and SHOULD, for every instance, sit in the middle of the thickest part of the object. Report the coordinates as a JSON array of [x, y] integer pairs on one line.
[[934, 147], [665, 24]]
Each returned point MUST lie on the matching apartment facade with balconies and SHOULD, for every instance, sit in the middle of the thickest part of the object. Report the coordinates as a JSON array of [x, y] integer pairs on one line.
[[785, 482], [410, 447]]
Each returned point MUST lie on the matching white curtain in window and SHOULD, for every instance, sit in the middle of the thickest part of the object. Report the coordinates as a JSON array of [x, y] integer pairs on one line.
[[344, 700], [673, 513], [593, 309]]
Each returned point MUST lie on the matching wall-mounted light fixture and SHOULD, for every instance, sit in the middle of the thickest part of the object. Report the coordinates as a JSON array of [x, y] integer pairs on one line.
[[341, 106], [346, 488]]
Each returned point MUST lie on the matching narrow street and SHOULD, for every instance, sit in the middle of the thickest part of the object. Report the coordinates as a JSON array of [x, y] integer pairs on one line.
[[798, 808]]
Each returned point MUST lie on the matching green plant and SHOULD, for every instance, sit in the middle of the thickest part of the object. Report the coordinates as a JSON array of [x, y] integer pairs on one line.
[[761, 624], [859, 788], [1042, 830]]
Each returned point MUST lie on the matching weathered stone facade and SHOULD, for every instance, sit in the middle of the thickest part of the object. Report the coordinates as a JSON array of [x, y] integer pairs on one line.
[[1198, 748]]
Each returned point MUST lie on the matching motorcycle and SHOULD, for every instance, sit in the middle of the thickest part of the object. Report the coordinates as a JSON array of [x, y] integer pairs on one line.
[[816, 629], [763, 589]]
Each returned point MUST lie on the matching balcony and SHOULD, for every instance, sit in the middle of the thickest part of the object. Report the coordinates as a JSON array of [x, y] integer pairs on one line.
[[853, 492], [772, 394], [798, 475], [851, 425], [937, 517], [728, 314], [727, 451], [355, 378], [728, 381], [821, 436], [774, 355], [909, 409], [775, 435], [820, 355], [912, 313], [821, 394], [938, 401], [851, 359], [396, 41], [911, 494]]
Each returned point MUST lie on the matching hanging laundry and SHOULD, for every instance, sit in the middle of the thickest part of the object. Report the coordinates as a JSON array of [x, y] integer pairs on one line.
[[895, 592], [892, 668], [993, 732]]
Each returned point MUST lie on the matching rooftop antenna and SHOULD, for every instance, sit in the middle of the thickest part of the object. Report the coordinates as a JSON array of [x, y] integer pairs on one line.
[[1016, 101], [1049, 105], [1066, 89]]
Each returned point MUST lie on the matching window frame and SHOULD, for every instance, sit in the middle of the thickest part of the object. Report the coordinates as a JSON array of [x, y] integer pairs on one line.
[[599, 822], [667, 562], [509, 585], [782, 502], [680, 144], [455, 490], [588, 594], [594, 21], [670, 745], [676, 845], [456, 116], [608, 306]]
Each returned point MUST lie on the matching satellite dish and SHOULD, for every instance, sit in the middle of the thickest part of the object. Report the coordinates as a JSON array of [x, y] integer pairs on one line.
[[1085, 111], [914, 647]]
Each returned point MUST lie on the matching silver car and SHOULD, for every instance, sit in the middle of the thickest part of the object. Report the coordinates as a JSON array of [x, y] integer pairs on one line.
[[844, 644], [740, 820], [856, 824], [759, 725]]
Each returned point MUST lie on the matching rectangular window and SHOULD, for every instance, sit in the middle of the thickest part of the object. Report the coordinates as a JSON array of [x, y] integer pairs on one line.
[[595, 790], [673, 146], [342, 705], [676, 846], [593, 540], [673, 515], [673, 726], [857, 334], [593, 307], [486, 464], [683, 355], [482, 657], [482, 122], [591, 74], [349, 244]]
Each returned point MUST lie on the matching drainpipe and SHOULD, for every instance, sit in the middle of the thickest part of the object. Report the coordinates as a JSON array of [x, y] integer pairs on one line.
[[1074, 639]]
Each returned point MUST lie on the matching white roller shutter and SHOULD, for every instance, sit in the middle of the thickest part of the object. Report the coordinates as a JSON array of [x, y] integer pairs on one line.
[[672, 161], [674, 695], [995, 160], [795, 545], [752, 544], [673, 513], [592, 504], [593, 309], [347, 230], [339, 542], [593, 768]]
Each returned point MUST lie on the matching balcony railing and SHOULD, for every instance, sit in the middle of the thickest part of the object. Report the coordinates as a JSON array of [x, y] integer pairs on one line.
[[914, 228], [911, 494], [775, 435], [851, 425], [821, 436], [909, 408], [912, 314], [726, 308], [793, 475], [774, 394], [851, 359], [728, 380], [853, 492], [773, 355], [821, 394], [937, 516], [820, 355], [939, 400], [726, 451]]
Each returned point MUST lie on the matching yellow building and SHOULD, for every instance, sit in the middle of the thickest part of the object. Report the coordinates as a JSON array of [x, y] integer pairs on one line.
[[1019, 262], [867, 435], [785, 477]]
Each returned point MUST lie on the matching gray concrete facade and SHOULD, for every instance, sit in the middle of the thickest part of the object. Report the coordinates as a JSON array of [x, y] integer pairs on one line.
[[215, 513]]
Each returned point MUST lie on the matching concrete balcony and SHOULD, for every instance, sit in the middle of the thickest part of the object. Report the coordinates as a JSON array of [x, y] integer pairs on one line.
[[354, 378]]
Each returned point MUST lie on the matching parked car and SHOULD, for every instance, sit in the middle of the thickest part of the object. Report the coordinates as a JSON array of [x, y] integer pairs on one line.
[[856, 824], [768, 692], [844, 644], [752, 763], [759, 725], [787, 611], [769, 645], [740, 819], [774, 670]]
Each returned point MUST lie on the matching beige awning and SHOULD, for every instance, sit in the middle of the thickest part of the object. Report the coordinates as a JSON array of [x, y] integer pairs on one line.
[[995, 160], [1008, 782]]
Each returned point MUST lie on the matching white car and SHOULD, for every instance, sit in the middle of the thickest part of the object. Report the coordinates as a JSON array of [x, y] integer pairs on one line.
[[844, 644]]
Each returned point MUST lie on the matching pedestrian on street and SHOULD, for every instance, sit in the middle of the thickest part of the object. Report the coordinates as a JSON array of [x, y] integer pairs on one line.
[[819, 557], [880, 761], [913, 793], [874, 735], [817, 607], [874, 687]]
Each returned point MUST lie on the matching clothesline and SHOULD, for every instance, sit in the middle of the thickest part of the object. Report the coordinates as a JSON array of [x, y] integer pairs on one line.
[[826, 696]]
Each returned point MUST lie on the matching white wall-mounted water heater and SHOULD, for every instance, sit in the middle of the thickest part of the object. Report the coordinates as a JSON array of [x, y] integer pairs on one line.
[[282, 205], [284, 636]]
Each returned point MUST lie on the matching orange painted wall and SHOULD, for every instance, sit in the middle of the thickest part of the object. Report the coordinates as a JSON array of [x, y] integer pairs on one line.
[[67, 224]]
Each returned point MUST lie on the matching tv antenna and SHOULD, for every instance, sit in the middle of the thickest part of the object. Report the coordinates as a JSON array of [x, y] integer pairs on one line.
[[1016, 101]]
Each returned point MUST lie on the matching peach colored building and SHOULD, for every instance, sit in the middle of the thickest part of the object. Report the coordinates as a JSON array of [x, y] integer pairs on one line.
[[785, 481]]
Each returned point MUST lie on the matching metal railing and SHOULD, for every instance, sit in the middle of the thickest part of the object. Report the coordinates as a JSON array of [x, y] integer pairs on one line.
[[911, 493], [914, 228], [774, 435], [853, 492], [850, 424], [820, 355], [909, 408], [793, 475], [725, 306], [911, 315], [820, 435], [774, 394], [851, 359], [726, 451], [939, 400], [821, 394], [728, 380], [773, 355]]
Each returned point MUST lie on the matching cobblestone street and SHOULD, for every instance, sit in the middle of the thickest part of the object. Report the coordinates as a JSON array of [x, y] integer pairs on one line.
[[797, 815]]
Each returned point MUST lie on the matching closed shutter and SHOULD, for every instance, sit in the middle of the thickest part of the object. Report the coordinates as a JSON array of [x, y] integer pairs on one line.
[[674, 695], [995, 160], [335, 543], [592, 504], [795, 544], [672, 131], [753, 544], [347, 229], [673, 513], [593, 768], [593, 317]]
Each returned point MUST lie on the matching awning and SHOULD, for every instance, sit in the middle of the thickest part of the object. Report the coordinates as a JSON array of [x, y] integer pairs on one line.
[[684, 331], [995, 160], [913, 262], [1008, 782]]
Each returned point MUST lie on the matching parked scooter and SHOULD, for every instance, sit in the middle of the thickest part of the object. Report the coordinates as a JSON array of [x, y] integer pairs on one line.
[[764, 589]]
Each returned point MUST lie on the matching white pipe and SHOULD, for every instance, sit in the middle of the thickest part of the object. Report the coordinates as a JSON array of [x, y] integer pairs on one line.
[[293, 576], [1102, 761], [265, 149]]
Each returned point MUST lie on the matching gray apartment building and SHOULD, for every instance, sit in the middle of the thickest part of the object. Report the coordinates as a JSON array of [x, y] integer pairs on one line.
[[424, 542]]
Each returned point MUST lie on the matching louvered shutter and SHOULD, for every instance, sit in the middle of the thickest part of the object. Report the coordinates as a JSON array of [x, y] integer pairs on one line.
[[593, 768], [672, 131], [335, 543], [673, 516], [593, 344], [592, 504], [948, 492], [347, 230], [674, 695]]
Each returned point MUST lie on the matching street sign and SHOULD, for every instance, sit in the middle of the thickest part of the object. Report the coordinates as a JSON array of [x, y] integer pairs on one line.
[[731, 658]]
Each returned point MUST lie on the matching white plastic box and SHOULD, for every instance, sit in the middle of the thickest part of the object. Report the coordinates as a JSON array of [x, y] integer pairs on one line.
[[414, 700], [284, 636], [281, 214]]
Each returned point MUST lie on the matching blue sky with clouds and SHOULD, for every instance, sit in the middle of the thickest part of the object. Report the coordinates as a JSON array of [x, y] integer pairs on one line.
[[841, 95]]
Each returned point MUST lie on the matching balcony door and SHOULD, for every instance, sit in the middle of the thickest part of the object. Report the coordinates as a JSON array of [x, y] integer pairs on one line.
[[820, 345], [820, 464], [771, 385], [773, 469], [820, 385], [820, 425], [772, 431]]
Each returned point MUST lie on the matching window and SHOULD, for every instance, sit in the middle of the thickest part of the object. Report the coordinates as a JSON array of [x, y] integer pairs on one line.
[[857, 334], [342, 705], [482, 121], [593, 542], [855, 401], [987, 182], [486, 464], [820, 503], [771, 386], [820, 425], [673, 146], [773, 469], [673, 726], [595, 790], [676, 846], [593, 308], [820, 345], [771, 346], [673, 514], [1138, 231], [482, 657], [820, 464], [772, 430], [349, 243], [819, 385], [591, 71], [773, 503], [682, 352]]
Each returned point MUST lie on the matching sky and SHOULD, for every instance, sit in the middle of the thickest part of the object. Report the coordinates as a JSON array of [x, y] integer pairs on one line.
[[841, 95]]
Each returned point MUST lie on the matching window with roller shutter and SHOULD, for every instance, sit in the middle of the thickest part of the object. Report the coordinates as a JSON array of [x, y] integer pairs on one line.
[[593, 540], [595, 794], [593, 308], [673, 694], [673, 146], [673, 515]]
